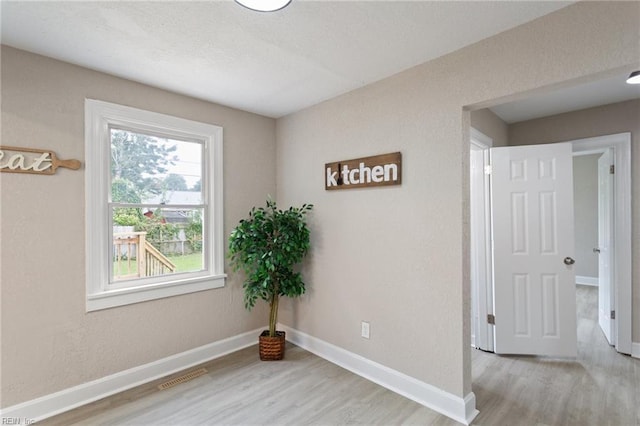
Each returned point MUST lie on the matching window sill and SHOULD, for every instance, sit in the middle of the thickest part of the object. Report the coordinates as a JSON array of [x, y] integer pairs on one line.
[[127, 296]]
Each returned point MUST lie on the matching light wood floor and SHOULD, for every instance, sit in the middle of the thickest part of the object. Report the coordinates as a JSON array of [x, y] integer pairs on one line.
[[601, 387]]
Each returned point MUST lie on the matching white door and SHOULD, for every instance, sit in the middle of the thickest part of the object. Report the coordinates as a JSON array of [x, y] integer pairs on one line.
[[605, 228], [534, 286]]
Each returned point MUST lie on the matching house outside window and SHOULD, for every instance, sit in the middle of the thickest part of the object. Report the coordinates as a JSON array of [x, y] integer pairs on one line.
[[153, 205]]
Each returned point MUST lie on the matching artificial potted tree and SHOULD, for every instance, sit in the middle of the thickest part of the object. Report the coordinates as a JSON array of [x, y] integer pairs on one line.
[[267, 246]]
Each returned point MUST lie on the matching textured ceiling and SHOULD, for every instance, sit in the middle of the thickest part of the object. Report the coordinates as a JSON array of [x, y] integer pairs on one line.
[[268, 63]]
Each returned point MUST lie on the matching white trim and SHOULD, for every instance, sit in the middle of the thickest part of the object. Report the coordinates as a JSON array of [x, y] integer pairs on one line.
[[592, 281], [480, 138], [635, 350], [462, 410], [126, 296], [68, 399], [621, 144], [482, 274], [99, 116]]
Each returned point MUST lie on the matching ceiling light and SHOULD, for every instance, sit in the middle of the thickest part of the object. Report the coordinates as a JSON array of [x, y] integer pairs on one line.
[[634, 78], [264, 5]]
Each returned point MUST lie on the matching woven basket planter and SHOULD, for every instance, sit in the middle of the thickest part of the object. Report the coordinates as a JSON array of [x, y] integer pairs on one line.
[[272, 348]]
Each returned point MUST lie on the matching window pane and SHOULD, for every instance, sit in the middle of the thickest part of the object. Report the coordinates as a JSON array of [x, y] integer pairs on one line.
[[152, 170], [152, 242]]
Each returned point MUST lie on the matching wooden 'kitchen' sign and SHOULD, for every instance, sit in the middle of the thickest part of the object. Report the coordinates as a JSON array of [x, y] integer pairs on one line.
[[31, 160], [379, 170]]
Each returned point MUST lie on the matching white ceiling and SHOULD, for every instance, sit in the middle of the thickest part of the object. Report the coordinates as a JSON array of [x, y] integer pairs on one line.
[[268, 63], [601, 92]]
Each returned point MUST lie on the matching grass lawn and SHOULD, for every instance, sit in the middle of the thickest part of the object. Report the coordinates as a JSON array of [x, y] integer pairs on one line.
[[187, 263]]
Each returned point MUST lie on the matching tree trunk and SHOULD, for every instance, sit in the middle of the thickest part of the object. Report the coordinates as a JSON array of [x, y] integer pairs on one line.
[[273, 315]]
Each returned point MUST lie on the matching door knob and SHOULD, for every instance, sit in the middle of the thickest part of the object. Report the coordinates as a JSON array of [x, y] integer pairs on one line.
[[596, 250], [569, 261]]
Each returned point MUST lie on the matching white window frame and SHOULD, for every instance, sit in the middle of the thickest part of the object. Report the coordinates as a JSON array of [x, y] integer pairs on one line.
[[99, 116]]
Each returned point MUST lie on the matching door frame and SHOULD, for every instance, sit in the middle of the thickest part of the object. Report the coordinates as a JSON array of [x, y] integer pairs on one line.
[[620, 143], [482, 274]]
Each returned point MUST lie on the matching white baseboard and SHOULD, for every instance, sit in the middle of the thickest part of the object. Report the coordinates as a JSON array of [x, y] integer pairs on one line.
[[592, 281], [462, 410], [635, 350], [68, 399]]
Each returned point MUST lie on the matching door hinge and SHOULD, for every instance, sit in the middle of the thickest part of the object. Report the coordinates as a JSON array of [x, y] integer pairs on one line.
[[488, 169], [491, 319], [613, 314], [612, 169]]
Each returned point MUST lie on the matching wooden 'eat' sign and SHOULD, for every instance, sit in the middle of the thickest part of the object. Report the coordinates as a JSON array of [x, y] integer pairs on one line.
[[379, 170], [31, 160]]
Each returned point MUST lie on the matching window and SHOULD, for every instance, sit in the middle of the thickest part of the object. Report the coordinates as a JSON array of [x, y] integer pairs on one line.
[[153, 200]]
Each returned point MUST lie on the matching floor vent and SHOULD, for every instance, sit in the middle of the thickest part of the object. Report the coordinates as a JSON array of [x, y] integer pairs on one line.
[[189, 376]]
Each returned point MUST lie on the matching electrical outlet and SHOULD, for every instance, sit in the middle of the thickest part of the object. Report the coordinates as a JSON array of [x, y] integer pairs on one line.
[[365, 329]]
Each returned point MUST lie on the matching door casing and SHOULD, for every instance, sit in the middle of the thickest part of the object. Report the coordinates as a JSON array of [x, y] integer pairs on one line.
[[481, 259]]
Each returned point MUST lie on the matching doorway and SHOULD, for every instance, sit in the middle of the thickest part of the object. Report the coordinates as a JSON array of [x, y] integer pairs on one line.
[[614, 293], [585, 198], [593, 213], [619, 292]]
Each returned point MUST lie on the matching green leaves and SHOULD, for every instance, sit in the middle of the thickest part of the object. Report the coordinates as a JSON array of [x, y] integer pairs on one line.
[[267, 246], [140, 159]]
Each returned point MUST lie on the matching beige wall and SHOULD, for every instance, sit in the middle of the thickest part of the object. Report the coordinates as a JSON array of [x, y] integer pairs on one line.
[[605, 120], [398, 256], [49, 342], [585, 213], [487, 122]]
